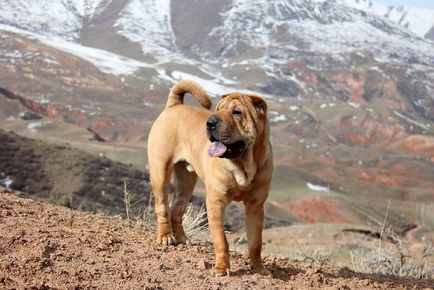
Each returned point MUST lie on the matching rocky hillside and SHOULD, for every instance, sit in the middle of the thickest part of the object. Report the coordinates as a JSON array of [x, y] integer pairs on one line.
[[45, 246], [69, 177]]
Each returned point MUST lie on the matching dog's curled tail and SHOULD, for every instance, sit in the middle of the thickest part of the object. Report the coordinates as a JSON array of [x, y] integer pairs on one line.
[[176, 95]]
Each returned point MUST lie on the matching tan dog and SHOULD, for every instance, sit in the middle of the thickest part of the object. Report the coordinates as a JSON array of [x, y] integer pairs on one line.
[[230, 152]]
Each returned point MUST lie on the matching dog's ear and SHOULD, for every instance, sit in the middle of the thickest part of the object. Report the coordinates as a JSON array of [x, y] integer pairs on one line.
[[259, 103]]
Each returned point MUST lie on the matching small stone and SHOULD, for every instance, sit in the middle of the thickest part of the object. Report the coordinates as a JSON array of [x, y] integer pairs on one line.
[[202, 264]]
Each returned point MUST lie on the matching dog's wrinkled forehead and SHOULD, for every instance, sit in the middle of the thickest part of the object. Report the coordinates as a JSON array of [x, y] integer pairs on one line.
[[230, 100], [234, 99], [238, 99]]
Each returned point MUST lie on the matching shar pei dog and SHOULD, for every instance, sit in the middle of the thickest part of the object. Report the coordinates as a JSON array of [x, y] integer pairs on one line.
[[228, 149]]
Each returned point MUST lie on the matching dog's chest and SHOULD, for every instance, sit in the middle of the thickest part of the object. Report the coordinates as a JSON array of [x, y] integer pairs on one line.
[[239, 197], [239, 194], [243, 175]]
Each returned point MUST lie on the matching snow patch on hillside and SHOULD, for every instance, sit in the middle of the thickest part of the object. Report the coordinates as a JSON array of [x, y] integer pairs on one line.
[[148, 22], [417, 20], [106, 61], [358, 35], [42, 17], [50, 18], [89, 8], [316, 187]]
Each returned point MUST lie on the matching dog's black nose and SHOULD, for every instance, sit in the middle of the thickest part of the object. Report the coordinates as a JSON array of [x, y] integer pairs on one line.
[[212, 122]]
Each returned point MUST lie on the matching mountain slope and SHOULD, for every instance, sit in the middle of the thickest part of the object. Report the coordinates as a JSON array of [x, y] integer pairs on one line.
[[154, 24], [63, 18], [418, 20]]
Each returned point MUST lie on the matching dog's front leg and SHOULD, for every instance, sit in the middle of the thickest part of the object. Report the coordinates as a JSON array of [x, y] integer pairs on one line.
[[215, 205], [254, 224]]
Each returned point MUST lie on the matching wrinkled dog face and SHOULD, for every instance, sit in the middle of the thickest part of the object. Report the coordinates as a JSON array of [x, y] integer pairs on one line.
[[238, 121]]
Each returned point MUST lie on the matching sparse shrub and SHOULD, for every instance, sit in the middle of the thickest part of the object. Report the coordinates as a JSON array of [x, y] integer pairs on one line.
[[391, 256], [426, 213], [393, 259], [317, 256], [194, 222], [240, 244]]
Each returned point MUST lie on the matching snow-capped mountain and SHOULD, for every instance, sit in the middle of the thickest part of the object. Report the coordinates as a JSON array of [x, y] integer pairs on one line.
[[416, 19], [148, 23], [266, 46], [228, 29], [51, 18]]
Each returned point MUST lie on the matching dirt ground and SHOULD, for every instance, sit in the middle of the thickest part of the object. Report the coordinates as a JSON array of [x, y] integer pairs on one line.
[[44, 246]]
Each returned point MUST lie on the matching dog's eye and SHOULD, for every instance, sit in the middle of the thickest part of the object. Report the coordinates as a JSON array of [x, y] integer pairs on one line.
[[237, 113]]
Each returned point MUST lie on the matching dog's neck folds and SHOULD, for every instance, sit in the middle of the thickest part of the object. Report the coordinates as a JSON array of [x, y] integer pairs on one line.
[[238, 168]]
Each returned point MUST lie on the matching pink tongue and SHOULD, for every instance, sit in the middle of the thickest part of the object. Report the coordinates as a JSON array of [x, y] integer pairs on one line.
[[216, 149]]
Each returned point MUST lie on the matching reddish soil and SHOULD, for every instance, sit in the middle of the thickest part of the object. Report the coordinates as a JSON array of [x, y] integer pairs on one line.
[[314, 209], [44, 246]]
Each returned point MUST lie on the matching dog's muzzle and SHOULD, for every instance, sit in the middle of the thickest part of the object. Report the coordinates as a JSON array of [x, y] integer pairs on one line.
[[220, 141]]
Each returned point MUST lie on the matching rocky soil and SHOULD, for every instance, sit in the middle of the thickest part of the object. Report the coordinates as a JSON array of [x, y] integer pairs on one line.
[[45, 246]]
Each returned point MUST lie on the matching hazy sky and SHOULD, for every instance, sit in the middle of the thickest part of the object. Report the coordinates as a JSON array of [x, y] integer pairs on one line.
[[418, 3]]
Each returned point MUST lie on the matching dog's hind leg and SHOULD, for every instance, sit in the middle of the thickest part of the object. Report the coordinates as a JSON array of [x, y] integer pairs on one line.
[[183, 183], [160, 176]]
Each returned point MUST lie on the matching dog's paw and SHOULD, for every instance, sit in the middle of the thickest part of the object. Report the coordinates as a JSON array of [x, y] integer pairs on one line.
[[261, 270], [166, 240], [181, 238], [217, 272]]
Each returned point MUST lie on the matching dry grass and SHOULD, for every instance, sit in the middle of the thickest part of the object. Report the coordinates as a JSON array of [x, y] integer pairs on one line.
[[239, 245], [317, 257], [137, 213], [391, 256], [392, 260], [194, 221], [426, 214]]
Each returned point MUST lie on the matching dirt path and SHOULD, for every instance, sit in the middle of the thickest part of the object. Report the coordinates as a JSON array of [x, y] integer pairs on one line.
[[44, 246]]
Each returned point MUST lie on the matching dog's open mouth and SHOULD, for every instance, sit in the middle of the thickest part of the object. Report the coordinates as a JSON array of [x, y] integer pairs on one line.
[[220, 149]]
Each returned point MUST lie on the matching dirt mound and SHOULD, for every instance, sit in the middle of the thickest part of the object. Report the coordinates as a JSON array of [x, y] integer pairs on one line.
[[44, 246]]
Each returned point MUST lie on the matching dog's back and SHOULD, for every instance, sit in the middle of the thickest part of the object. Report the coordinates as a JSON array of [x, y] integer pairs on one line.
[[178, 122]]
